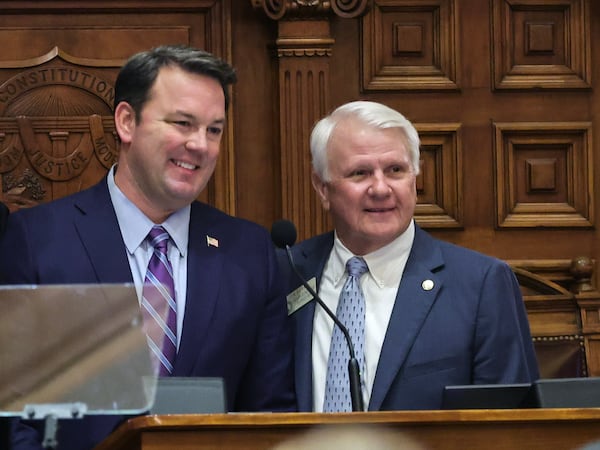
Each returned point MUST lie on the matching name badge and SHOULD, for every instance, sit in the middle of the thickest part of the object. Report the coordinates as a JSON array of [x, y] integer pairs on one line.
[[300, 297]]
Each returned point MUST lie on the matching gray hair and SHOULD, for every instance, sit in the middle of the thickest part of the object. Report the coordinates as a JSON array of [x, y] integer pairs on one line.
[[371, 113]]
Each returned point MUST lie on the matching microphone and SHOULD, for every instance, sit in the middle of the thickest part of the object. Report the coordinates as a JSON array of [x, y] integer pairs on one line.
[[283, 234]]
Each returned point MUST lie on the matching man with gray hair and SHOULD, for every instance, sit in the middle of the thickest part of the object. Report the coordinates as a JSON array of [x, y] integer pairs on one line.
[[422, 314]]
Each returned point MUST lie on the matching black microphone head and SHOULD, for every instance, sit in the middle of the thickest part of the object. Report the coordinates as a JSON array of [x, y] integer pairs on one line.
[[283, 233]]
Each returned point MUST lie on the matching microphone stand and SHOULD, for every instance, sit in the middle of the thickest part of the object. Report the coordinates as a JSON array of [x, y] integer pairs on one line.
[[353, 367]]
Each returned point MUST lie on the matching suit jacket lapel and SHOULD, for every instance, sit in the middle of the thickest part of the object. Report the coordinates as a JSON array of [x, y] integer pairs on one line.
[[303, 319], [413, 303], [205, 268], [98, 229], [310, 262]]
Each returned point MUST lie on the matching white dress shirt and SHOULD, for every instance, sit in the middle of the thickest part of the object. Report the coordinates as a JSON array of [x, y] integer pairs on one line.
[[380, 286]]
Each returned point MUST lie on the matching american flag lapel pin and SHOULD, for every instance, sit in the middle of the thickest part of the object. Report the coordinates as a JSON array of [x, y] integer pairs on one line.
[[211, 241]]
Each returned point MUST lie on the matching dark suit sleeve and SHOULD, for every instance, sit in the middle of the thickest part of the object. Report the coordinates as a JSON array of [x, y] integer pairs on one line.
[[4, 212], [504, 350], [268, 380], [26, 436], [15, 255], [15, 268]]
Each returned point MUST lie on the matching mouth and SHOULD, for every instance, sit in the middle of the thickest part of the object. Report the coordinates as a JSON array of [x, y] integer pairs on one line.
[[184, 165], [378, 210]]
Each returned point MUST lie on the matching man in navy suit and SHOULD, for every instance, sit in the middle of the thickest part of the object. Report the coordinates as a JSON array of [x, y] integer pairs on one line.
[[170, 111], [436, 314]]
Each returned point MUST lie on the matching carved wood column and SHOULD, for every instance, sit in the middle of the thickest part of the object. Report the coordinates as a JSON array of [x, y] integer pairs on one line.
[[303, 48]]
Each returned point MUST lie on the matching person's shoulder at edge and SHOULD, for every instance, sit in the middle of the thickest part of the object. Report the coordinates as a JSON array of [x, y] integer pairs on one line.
[[46, 208]]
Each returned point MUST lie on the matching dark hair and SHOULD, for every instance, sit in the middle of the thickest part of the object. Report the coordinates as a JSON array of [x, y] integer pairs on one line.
[[137, 76]]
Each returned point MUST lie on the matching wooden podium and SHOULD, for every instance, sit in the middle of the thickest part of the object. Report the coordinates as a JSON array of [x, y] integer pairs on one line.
[[529, 429]]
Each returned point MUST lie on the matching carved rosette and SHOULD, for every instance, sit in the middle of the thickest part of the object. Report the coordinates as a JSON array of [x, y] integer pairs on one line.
[[289, 9], [350, 8]]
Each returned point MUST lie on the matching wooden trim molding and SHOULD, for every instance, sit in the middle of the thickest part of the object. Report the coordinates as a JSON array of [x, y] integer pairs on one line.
[[286, 9]]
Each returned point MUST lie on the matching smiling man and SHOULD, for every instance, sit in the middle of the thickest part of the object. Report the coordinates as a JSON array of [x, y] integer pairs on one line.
[[218, 283], [421, 313]]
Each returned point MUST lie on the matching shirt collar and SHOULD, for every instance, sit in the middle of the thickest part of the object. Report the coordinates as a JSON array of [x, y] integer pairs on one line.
[[379, 262], [135, 225]]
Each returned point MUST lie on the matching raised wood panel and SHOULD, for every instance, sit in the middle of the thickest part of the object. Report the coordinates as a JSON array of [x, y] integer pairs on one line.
[[58, 67], [544, 175], [541, 44], [592, 352], [590, 314], [410, 45], [439, 185]]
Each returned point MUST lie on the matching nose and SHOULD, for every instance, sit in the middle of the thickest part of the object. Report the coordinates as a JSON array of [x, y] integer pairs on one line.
[[379, 185], [197, 140]]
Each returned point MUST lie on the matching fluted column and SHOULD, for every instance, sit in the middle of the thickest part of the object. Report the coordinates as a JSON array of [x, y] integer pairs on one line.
[[303, 48]]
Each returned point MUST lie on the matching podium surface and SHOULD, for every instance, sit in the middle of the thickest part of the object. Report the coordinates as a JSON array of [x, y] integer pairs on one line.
[[530, 429]]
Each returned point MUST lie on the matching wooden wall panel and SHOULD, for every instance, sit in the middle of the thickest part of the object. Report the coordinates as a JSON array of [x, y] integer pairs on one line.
[[57, 68], [288, 78], [439, 185], [410, 44], [544, 174], [503, 92], [435, 61], [498, 40], [541, 44]]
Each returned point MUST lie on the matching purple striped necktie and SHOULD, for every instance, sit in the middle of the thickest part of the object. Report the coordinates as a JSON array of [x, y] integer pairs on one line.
[[159, 306]]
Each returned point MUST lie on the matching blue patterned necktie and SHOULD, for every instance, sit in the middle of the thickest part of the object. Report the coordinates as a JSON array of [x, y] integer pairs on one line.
[[159, 307], [351, 312]]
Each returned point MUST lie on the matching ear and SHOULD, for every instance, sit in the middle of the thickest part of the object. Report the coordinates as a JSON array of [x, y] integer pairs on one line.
[[125, 122], [322, 190]]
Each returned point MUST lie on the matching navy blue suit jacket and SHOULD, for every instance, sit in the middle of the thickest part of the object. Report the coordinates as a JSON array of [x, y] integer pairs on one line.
[[470, 328], [235, 324]]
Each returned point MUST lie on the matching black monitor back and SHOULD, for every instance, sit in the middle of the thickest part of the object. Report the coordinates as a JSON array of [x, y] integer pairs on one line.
[[488, 396], [568, 392]]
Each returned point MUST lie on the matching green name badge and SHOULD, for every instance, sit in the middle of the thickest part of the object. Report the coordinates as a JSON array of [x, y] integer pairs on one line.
[[300, 297]]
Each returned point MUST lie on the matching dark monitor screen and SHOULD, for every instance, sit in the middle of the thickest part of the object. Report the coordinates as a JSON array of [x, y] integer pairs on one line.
[[568, 392], [488, 396]]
